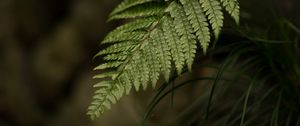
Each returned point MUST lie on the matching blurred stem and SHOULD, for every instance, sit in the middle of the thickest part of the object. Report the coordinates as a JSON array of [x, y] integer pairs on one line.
[[274, 119], [246, 102]]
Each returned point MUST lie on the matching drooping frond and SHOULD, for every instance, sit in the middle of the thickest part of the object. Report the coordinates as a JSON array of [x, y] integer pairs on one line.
[[233, 8], [214, 13], [159, 34]]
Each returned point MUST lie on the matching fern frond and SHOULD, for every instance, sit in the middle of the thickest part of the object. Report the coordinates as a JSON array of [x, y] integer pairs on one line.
[[143, 10], [161, 33], [233, 8], [214, 13], [184, 30], [198, 20], [127, 4]]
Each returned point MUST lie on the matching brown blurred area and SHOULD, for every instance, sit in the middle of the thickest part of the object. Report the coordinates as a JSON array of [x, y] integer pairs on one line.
[[46, 52]]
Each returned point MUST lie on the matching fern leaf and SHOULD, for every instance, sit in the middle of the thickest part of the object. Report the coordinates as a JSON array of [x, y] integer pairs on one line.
[[135, 73], [137, 24], [127, 36], [108, 94], [117, 56], [145, 71], [144, 10], [159, 34], [233, 8], [118, 47], [102, 84], [176, 46], [126, 81], [162, 52], [127, 4], [105, 74], [214, 14], [108, 65], [198, 20], [141, 71], [152, 62], [184, 30]]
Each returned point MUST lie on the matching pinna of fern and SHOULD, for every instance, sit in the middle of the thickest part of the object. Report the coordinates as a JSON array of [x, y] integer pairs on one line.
[[160, 33]]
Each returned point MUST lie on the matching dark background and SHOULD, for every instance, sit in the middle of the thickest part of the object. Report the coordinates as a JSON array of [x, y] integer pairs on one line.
[[46, 50]]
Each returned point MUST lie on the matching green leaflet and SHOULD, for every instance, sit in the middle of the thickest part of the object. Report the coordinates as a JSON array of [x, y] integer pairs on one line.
[[127, 4], [137, 24], [159, 34], [108, 94], [199, 22], [152, 62], [176, 46], [126, 81], [116, 56], [141, 72], [162, 52], [146, 70], [108, 65], [118, 47], [134, 74], [126, 36], [184, 30], [144, 10], [104, 75], [233, 8], [214, 13]]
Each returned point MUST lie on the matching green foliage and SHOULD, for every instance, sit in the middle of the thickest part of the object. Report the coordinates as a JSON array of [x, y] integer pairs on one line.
[[214, 13], [160, 34], [198, 20], [233, 8]]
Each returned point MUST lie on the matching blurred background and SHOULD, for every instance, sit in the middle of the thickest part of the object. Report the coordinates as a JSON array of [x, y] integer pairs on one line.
[[46, 52]]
